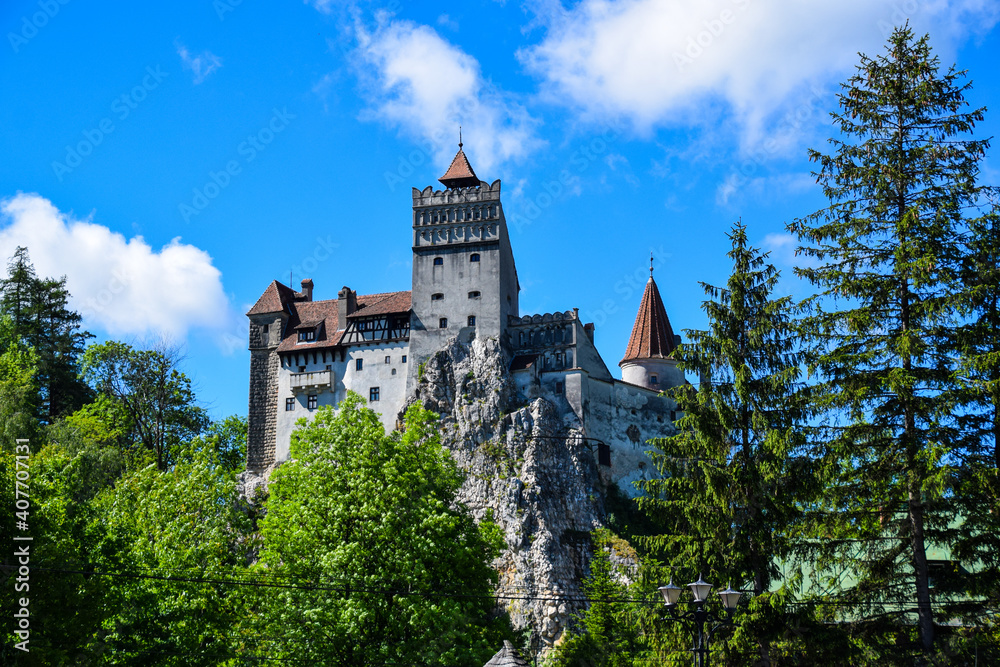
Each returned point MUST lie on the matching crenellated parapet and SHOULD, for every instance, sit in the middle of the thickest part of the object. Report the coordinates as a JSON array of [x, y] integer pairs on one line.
[[480, 193]]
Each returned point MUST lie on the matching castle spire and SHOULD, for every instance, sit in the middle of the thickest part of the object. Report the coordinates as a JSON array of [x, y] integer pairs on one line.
[[652, 336], [460, 173]]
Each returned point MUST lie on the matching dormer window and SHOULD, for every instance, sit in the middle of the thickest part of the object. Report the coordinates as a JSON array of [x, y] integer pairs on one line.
[[474, 257], [308, 331], [439, 261], [437, 297], [654, 380]]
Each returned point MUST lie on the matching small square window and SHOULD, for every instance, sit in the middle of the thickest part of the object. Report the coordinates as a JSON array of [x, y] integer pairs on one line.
[[359, 364], [373, 394], [302, 369], [289, 404], [437, 297], [388, 359], [313, 402], [474, 257], [439, 261], [404, 359], [443, 323], [654, 380], [475, 294], [472, 320]]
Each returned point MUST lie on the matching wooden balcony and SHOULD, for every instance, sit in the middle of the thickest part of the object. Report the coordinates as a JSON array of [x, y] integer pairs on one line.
[[311, 382]]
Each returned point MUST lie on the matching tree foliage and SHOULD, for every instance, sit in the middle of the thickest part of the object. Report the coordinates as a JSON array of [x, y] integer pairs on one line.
[[40, 316], [149, 392], [732, 478], [401, 571], [888, 250]]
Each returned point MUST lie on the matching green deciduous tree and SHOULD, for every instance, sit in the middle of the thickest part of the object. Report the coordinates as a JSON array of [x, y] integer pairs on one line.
[[901, 182], [732, 481], [173, 541], [18, 388], [401, 571], [146, 387]]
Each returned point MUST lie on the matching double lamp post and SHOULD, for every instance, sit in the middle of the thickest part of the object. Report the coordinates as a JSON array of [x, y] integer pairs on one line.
[[699, 616]]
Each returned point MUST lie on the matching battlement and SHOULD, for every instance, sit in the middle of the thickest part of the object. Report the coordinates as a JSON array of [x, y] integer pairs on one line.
[[531, 320], [481, 193]]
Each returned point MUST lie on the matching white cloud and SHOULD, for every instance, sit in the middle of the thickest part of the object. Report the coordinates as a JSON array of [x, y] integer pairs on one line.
[[201, 65], [121, 286], [424, 85], [660, 61]]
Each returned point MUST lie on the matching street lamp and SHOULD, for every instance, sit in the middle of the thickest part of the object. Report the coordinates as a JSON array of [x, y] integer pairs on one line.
[[695, 619]]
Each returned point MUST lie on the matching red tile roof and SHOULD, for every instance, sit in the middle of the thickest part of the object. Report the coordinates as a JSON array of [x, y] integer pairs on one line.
[[381, 304], [273, 299], [327, 312], [652, 337], [460, 174]]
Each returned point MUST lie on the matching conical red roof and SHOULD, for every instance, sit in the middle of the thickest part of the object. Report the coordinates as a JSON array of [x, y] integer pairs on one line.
[[652, 336], [460, 174]]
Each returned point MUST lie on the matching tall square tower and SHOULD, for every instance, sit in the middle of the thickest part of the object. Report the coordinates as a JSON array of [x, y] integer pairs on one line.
[[464, 279]]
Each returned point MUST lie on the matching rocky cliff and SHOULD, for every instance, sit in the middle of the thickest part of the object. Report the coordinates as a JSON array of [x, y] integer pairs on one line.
[[529, 469]]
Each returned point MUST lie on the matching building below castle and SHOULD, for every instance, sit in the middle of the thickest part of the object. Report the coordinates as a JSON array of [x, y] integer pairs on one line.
[[306, 353]]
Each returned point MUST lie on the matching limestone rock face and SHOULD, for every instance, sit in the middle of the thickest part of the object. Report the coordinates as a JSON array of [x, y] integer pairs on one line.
[[528, 469]]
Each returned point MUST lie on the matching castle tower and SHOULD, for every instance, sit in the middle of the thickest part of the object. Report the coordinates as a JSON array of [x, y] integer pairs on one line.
[[268, 318], [464, 279], [648, 361]]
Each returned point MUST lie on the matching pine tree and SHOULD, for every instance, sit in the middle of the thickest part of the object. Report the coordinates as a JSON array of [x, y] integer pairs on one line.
[[888, 247], [729, 476], [38, 308], [977, 392]]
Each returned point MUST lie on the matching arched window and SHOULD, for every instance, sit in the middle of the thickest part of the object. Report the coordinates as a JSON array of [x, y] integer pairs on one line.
[[474, 257], [439, 261]]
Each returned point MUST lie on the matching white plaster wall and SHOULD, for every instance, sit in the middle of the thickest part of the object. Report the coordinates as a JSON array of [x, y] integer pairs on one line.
[[374, 373], [640, 372]]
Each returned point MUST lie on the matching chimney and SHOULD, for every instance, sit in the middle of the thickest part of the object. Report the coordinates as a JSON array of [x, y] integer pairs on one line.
[[307, 289], [588, 329], [347, 303]]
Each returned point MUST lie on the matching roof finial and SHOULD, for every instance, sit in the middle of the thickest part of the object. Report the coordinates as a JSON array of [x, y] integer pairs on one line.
[[650, 266], [460, 137]]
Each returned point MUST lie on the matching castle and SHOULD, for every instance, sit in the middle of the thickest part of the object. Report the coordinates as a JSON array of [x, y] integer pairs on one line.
[[306, 353]]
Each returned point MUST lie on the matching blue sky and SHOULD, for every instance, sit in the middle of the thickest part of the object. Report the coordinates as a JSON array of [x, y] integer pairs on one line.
[[172, 160]]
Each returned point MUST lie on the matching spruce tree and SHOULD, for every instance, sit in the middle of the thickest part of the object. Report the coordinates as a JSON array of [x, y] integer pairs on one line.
[[730, 478], [887, 249], [40, 313]]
